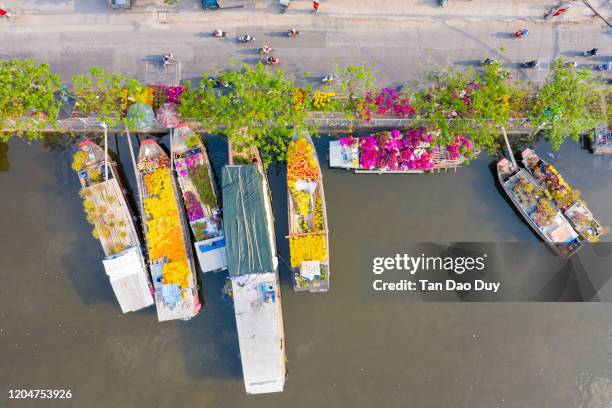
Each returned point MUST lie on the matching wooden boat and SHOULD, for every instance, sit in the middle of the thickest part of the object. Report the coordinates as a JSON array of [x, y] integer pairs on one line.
[[108, 211], [345, 155], [248, 224], [198, 187], [308, 229], [566, 199], [541, 214], [170, 258]]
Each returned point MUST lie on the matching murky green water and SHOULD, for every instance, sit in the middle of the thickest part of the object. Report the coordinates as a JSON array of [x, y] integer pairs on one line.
[[60, 326]]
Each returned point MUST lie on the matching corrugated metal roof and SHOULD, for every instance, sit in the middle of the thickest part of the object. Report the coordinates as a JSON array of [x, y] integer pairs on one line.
[[129, 279]]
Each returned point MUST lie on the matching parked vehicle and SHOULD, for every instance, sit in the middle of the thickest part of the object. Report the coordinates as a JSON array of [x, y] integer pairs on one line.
[[530, 64], [570, 64], [328, 79], [221, 4], [168, 59], [284, 4], [604, 67], [120, 4], [442, 3], [521, 33], [489, 61]]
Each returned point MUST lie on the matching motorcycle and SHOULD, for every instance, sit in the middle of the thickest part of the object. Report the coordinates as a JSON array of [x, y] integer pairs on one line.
[[293, 33], [218, 82], [521, 33], [219, 33], [272, 61], [489, 61], [570, 64], [265, 49], [591, 53], [246, 38], [328, 79], [168, 59], [530, 64], [604, 67]]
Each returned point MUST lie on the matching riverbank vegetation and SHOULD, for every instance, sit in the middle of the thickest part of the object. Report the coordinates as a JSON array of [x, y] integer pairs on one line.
[[260, 106]]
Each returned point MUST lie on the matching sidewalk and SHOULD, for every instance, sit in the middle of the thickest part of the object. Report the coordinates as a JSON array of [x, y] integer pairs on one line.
[[263, 10]]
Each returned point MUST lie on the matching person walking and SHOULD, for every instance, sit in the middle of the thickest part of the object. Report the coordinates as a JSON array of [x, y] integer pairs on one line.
[[315, 5]]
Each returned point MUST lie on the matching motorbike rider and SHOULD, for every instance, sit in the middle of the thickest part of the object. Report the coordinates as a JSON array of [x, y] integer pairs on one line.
[[293, 32], [593, 52], [266, 49], [273, 60], [218, 33], [168, 58]]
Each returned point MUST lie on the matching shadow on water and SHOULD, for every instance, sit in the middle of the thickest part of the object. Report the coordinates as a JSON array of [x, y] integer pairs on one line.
[[210, 340], [4, 161]]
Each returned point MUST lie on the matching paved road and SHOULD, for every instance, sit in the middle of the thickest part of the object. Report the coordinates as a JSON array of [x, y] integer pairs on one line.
[[399, 51]]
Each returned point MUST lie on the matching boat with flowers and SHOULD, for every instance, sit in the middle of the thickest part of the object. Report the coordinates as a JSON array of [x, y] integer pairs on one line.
[[538, 211], [567, 199], [107, 209], [308, 231], [170, 258], [414, 151], [197, 184], [252, 264]]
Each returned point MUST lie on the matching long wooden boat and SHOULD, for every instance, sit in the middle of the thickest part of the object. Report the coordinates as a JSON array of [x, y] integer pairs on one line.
[[253, 269], [539, 212], [347, 152], [169, 247], [107, 209], [562, 194], [198, 187], [308, 229]]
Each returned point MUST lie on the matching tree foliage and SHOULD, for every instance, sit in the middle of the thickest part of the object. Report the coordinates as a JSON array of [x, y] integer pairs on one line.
[[98, 94], [355, 79], [197, 102], [257, 109], [27, 98], [569, 103]]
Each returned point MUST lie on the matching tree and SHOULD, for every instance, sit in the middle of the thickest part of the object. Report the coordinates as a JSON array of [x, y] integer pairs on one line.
[[355, 79], [99, 94], [27, 98], [257, 109], [569, 103], [197, 102]]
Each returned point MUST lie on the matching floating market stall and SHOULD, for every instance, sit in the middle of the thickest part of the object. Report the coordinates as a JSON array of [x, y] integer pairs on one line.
[[253, 270], [170, 259], [107, 210], [415, 151], [566, 199], [601, 142], [308, 231], [197, 184], [539, 212]]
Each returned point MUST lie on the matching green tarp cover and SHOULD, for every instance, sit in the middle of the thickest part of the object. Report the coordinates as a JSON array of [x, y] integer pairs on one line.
[[245, 222]]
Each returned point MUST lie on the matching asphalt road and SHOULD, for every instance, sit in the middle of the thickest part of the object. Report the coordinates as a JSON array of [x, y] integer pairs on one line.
[[399, 51]]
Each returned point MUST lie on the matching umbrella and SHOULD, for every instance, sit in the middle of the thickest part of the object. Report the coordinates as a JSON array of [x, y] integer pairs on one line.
[[167, 115], [140, 115]]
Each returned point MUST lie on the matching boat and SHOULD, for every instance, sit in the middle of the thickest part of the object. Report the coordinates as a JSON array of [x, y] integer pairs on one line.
[[538, 211], [308, 230], [391, 152], [601, 140], [252, 264], [567, 199], [107, 209], [197, 184], [169, 247]]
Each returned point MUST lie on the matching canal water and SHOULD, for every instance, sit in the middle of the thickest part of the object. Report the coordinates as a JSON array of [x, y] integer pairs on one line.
[[61, 328]]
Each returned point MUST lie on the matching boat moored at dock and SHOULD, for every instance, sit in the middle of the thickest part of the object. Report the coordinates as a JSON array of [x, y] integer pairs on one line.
[[169, 247], [308, 229], [108, 211], [539, 212], [567, 199], [253, 271], [197, 184]]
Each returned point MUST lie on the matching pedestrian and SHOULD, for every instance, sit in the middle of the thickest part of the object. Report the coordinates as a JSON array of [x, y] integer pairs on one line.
[[315, 5]]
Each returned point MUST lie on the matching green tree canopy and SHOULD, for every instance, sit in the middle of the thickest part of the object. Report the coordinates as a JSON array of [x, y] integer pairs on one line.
[[257, 109], [98, 94], [355, 79], [569, 103], [27, 98]]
